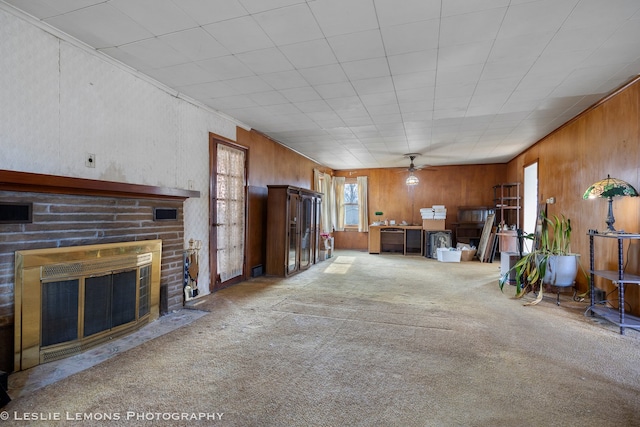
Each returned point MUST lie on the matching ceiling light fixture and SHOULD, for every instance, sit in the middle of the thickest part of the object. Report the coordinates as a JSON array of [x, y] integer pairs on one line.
[[412, 179]]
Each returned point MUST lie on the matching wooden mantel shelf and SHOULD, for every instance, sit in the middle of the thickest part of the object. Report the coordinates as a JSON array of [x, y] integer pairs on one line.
[[41, 183]]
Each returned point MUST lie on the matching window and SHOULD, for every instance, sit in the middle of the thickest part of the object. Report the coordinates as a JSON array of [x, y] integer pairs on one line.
[[351, 209]]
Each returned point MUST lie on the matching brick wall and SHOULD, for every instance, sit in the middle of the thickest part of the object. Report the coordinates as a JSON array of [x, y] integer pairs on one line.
[[70, 220]]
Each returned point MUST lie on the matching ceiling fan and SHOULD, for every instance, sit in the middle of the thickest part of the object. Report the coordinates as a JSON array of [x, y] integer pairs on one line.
[[412, 179]]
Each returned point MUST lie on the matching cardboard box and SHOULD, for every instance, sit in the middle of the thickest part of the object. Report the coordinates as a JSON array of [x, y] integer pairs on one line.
[[468, 254], [433, 224], [447, 255]]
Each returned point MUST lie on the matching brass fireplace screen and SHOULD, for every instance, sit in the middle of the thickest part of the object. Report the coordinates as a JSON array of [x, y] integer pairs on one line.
[[70, 299]]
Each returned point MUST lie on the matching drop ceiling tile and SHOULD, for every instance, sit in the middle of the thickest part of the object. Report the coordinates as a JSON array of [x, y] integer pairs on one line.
[[225, 67], [271, 97], [325, 117], [489, 87], [157, 16], [375, 85], [426, 93], [248, 85], [366, 68], [231, 102], [522, 46], [100, 26], [43, 9], [180, 75], [356, 46], [411, 37], [414, 80], [335, 90], [536, 17], [464, 54], [594, 14], [414, 62], [285, 80], [462, 75], [579, 39], [152, 53], [324, 74], [210, 11], [298, 54], [317, 106], [412, 107], [389, 12], [356, 120], [283, 109], [300, 94], [383, 109], [263, 61], [291, 24], [239, 34], [348, 104], [208, 90], [559, 63], [507, 68], [471, 27], [257, 6], [378, 99], [196, 44], [342, 17], [459, 7]]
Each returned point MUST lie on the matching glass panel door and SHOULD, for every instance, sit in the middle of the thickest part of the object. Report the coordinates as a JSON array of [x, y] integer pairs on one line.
[[306, 232], [294, 232]]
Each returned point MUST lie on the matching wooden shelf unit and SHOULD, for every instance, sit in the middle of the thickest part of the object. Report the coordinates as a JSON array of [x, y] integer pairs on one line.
[[507, 200]]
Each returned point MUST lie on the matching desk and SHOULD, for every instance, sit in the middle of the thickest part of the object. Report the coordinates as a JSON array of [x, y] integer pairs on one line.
[[407, 238]]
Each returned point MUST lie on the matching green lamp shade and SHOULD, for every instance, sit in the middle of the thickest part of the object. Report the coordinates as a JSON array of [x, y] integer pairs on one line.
[[610, 187]]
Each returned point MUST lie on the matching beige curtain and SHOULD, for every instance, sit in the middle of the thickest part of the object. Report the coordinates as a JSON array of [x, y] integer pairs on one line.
[[230, 211], [338, 200], [323, 184], [363, 209]]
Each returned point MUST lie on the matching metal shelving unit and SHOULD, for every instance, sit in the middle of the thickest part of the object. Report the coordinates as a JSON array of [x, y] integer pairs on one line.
[[618, 277]]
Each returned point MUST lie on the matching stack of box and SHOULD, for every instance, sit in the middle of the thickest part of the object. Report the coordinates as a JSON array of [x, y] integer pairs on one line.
[[433, 218]]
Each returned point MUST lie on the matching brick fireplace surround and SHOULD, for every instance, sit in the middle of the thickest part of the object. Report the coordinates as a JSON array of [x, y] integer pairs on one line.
[[72, 212]]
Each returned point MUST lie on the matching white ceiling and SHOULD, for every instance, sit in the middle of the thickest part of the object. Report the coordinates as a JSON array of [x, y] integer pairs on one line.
[[358, 83]]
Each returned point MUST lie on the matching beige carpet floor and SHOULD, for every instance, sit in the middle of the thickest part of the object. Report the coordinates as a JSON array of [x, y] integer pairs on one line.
[[362, 340]]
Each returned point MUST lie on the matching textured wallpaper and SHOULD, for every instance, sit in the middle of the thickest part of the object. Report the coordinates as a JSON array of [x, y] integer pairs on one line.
[[61, 102]]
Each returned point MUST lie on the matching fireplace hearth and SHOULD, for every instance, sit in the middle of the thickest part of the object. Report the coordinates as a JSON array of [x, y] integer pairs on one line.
[[70, 299]]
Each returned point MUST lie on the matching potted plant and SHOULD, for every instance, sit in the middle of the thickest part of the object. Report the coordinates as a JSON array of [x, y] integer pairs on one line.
[[550, 261]]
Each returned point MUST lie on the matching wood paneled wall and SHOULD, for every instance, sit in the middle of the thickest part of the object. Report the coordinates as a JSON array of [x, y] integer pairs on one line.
[[270, 163], [603, 140], [451, 186]]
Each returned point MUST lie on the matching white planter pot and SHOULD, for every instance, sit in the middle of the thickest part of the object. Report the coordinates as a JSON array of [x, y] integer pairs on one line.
[[561, 270]]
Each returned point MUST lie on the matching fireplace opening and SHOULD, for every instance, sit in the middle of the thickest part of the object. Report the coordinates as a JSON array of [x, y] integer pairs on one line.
[[70, 299]]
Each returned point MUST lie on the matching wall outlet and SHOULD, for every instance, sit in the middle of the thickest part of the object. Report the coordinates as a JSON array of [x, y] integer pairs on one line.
[[90, 160]]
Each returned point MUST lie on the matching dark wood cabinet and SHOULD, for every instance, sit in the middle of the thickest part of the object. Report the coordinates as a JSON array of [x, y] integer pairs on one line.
[[293, 229], [470, 223]]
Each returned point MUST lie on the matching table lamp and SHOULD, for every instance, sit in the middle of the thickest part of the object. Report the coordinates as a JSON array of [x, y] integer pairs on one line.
[[609, 188]]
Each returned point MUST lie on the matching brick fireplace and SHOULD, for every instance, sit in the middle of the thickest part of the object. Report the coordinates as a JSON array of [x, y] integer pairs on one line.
[[68, 212]]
